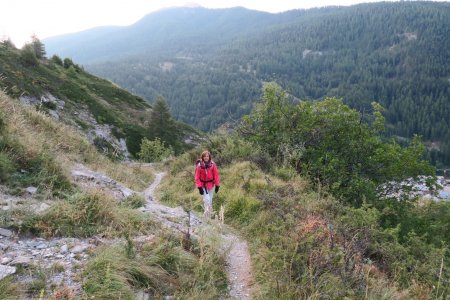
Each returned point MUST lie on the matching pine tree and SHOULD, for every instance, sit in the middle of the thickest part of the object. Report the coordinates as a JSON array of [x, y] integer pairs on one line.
[[162, 125], [38, 46]]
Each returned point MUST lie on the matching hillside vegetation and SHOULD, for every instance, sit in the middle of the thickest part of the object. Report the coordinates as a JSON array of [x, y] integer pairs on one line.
[[317, 191], [36, 150], [393, 53], [64, 90], [317, 228]]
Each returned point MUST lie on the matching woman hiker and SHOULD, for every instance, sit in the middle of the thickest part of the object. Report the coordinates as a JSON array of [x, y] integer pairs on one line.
[[206, 178]]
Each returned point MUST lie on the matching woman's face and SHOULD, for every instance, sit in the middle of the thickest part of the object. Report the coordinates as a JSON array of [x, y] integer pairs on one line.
[[206, 157]]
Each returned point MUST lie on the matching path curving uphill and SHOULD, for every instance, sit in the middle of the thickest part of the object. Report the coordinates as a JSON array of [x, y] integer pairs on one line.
[[239, 268]]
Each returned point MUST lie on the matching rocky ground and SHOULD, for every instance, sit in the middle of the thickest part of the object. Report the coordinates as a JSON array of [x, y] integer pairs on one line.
[[60, 260]]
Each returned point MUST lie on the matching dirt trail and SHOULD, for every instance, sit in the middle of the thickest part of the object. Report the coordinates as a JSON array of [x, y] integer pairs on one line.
[[239, 269], [70, 252]]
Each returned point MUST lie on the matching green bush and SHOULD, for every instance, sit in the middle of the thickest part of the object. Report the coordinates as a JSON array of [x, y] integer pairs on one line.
[[57, 60], [242, 209], [154, 151], [227, 149], [67, 63], [285, 172], [333, 145]]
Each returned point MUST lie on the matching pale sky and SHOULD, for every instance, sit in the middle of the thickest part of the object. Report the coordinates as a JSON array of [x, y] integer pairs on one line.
[[19, 19]]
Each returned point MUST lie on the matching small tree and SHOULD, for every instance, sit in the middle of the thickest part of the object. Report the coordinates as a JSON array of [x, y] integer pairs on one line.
[[6, 42], [57, 60], [67, 63], [38, 47], [154, 151]]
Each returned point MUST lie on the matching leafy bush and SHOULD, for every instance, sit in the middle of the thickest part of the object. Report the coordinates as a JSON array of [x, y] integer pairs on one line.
[[285, 172], [334, 145], [56, 60], [154, 151], [67, 63], [227, 149]]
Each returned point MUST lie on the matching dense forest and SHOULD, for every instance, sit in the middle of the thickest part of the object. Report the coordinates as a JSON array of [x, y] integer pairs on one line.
[[392, 53]]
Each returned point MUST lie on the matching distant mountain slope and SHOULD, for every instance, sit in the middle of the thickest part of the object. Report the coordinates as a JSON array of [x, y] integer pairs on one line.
[[166, 32], [112, 118], [211, 72]]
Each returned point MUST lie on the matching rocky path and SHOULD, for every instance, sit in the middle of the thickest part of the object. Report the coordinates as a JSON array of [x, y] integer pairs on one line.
[[239, 269], [59, 258], [66, 256]]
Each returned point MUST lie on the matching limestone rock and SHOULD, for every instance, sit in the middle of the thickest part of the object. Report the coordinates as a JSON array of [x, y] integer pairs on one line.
[[31, 190], [6, 270], [5, 232]]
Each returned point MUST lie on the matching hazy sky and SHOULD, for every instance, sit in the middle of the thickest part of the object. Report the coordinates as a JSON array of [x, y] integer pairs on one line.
[[19, 19]]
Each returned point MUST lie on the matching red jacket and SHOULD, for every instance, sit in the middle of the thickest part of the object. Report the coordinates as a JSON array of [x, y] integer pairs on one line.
[[206, 175]]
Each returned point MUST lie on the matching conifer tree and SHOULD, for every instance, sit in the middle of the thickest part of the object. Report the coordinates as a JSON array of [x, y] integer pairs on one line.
[[162, 125], [38, 46]]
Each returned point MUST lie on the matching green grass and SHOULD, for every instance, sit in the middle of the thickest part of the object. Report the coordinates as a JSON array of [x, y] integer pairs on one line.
[[86, 214], [8, 289], [305, 245], [161, 267], [134, 201]]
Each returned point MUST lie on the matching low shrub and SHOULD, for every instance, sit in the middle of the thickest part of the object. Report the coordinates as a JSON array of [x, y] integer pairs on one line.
[[154, 151], [242, 208]]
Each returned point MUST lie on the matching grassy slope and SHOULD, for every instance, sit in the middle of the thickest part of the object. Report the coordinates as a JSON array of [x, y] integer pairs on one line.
[[305, 244], [128, 114], [80, 91], [29, 134], [34, 149], [72, 84]]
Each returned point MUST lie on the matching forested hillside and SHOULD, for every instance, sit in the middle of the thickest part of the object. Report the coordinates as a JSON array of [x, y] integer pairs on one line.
[[393, 53]]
